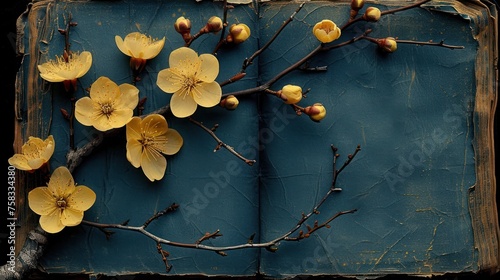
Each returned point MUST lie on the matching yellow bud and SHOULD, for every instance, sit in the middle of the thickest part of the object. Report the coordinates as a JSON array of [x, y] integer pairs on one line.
[[388, 44], [316, 112], [230, 102], [291, 94], [238, 33], [372, 14], [326, 31], [182, 25], [214, 24]]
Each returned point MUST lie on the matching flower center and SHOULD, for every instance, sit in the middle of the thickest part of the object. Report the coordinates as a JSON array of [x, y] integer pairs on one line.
[[61, 203], [106, 109], [190, 83]]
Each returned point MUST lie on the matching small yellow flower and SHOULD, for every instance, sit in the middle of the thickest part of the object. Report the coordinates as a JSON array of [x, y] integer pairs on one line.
[[316, 112], [140, 48], [147, 139], [388, 44], [326, 31], [109, 105], [372, 14], [291, 94], [60, 203], [66, 70], [191, 79], [34, 154], [238, 33]]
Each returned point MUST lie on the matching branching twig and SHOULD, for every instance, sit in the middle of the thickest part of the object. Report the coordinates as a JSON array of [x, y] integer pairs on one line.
[[391, 11], [220, 143], [271, 245]]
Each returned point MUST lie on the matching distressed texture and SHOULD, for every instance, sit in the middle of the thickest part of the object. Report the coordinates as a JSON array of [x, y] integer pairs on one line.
[[421, 115]]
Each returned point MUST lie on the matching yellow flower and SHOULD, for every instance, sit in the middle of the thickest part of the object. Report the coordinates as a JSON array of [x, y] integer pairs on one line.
[[326, 31], [140, 48], [34, 154], [66, 70], [147, 139], [291, 94], [238, 33], [109, 105], [191, 79], [60, 203]]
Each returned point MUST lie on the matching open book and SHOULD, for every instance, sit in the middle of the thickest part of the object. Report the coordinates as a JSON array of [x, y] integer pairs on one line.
[[422, 185]]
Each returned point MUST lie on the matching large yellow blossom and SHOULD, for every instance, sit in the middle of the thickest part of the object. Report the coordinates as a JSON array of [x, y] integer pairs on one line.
[[191, 79], [140, 48], [34, 154], [109, 105], [147, 139], [60, 203], [67, 71]]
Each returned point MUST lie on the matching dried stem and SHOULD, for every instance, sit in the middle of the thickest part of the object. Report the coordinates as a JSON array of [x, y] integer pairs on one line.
[[391, 11], [220, 143], [270, 245], [249, 60]]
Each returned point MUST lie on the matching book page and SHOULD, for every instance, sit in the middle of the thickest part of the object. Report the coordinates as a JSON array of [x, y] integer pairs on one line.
[[411, 111], [214, 190]]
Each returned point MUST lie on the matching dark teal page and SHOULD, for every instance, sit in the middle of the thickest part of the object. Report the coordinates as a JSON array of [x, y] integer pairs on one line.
[[411, 113], [214, 190]]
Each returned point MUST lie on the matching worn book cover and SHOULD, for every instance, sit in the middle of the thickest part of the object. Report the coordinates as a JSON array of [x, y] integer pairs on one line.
[[274, 138]]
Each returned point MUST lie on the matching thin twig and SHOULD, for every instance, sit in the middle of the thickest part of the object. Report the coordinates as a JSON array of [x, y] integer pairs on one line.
[[220, 143]]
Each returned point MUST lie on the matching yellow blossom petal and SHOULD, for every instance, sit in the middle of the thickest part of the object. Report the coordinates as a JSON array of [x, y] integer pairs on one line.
[[84, 105], [52, 223], [169, 80], [104, 90], [174, 143], [71, 217], [182, 106], [184, 58], [81, 199], [326, 31], [209, 68], [61, 183], [20, 162], [207, 94], [40, 201], [153, 164], [129, 96], [134, 146]]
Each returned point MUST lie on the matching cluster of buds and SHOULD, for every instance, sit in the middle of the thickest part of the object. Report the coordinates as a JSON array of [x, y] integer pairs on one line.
[[183, 26]]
